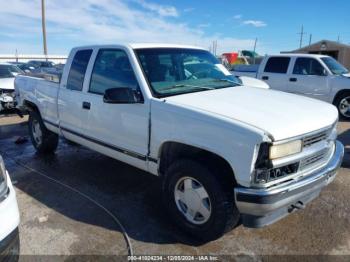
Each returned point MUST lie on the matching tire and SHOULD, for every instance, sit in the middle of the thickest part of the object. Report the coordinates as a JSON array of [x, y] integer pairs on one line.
[[43, 139], [224, 214], [341, 103]]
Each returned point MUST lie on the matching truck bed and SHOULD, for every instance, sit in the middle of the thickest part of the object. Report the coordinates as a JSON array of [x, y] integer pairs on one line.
[[245, 70], [39, 91]]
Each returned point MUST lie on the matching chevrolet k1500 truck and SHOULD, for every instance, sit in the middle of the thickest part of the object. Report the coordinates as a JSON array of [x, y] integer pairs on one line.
[[222, 150], [315, 76]]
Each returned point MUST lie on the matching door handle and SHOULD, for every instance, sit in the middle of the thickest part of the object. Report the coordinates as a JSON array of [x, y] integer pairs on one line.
[[86, 105], [293, 79], [265, 78]]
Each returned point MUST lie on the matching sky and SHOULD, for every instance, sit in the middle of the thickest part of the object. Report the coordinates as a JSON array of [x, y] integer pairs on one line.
[[234, 24]]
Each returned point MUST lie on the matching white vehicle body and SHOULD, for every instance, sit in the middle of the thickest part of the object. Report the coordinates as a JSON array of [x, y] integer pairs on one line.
[[7, 87], [230, 123], [9, 216], [253, 82], [291, 76]]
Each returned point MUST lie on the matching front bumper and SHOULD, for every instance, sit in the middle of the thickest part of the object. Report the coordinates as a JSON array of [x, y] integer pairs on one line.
[[261, 207]]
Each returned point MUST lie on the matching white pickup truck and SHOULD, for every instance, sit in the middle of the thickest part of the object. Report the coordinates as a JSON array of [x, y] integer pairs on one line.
[[222, 150], [315, 76]]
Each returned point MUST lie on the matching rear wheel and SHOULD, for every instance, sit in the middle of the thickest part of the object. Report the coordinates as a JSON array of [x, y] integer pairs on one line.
[[43, 139], [198, 201], [342, 102]]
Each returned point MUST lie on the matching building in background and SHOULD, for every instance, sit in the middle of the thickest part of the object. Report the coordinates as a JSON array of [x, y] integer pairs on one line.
[[57, 59], [339, 51]]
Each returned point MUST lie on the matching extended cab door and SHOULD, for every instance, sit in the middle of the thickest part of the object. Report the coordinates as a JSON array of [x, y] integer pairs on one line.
[[274, 72], [118, 130], [309, 78], [72, 110]]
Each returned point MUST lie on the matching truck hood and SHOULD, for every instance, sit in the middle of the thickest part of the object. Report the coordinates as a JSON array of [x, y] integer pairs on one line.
[[7, 83], [281, 115], [253, 82]]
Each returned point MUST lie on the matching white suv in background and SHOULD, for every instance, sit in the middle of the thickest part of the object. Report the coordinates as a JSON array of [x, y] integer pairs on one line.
[[9, 218]]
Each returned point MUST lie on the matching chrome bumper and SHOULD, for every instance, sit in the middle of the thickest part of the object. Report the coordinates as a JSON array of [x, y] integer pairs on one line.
[[261, 207]]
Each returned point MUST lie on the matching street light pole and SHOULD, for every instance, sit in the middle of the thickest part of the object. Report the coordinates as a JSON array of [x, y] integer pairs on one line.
[[43, 26]]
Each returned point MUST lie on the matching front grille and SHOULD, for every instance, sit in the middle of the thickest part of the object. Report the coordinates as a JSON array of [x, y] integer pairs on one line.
[[313, 159], [313, 139]]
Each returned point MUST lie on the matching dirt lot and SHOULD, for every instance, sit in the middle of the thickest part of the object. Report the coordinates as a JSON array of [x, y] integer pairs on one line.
[[58, 220]]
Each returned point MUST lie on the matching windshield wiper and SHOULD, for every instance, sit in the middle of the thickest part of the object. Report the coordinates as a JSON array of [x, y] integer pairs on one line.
[[226, 80], [185, 85]]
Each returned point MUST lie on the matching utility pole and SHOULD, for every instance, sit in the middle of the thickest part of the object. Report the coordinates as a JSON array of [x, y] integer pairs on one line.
[[256, 41], [310, 40], [43, 26], [302, 33], [215, 46], [338, 39]]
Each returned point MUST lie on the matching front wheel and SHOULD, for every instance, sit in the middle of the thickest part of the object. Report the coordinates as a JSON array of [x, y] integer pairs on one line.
[[198, 201], [43, 139], [343, 105]]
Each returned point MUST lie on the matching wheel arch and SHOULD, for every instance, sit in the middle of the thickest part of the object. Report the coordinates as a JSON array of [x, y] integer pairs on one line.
[[170, 151], [30, 106], [339, 94]]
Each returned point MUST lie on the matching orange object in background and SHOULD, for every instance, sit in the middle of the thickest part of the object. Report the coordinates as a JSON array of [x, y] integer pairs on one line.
[[231, 57]]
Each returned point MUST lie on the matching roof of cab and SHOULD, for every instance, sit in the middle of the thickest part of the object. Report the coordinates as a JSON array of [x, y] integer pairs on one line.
[[161, 45], [140, 46], [299, 55]]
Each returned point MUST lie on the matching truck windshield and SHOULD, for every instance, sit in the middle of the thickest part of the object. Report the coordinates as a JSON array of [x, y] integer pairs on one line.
[[9, 71], [175, 71], [335, 67]]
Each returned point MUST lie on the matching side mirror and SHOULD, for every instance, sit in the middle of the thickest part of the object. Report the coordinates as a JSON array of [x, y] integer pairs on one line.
[[122, 95]]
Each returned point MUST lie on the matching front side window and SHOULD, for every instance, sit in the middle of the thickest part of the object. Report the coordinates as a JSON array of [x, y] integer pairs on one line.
[[112, 69], [308, 66], [175, 71], [335, 67], [277, 65], [77, 71]]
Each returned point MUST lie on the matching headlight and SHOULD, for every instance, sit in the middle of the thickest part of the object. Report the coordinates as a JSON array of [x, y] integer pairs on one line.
[[3, 178], [286, 149]]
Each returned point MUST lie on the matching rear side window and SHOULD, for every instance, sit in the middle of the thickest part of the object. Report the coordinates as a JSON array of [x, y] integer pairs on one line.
[[277, 65], [308, 66], [78, 68]]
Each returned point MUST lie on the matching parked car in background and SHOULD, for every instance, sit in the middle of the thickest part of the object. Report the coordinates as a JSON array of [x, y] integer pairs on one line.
[[41, 64], [224, 152], [9, 218], [25, 67], [7, 89], [315, 76], [42, 67]]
